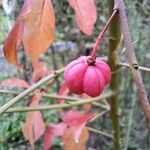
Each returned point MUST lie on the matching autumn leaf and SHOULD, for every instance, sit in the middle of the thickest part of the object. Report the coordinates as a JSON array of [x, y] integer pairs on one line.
[[85, 14], [51, 132], [76, 121], [63, 90], [71, 144], [12, 42], [39, 29], [35, 27], [40, 70], [14, 38], [34, 125], [15, 82]]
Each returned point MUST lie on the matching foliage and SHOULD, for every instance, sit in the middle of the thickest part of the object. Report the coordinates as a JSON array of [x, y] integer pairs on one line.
[[64, 28]]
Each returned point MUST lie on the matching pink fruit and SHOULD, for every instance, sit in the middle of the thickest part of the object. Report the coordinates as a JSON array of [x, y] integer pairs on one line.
[[85, 75]]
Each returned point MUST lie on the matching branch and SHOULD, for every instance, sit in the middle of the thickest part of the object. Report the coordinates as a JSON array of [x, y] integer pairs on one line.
[[142, 68], [113, 59], [119, 4], [29, 90], [100, 132], [99, 115], [55, 96], [129, 129], [58, 106], [146, 69]]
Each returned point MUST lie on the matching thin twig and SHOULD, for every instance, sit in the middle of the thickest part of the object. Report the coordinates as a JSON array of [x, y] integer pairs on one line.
[[105, 106], [58, 106], [140, 67], [55, 96], [100, 132], [99, 115], [125, 64], [9, 92], [29, 90], [130, 123], [119, 4]]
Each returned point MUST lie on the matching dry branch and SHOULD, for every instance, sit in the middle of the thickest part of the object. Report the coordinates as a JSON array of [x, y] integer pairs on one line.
[[119, 4]]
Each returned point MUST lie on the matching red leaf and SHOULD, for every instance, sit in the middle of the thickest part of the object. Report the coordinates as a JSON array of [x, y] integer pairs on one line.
[[48, 138], [15, 82], [85, 13], [70, 144], [35, 26], [73, 120], [12, 42], [51, 132], [63, 90], [39, 29], [40, 70], [34, 125], [14, 38], [76, 121]]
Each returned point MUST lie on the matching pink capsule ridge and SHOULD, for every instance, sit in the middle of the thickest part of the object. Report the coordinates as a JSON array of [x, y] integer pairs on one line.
[[85, 75]]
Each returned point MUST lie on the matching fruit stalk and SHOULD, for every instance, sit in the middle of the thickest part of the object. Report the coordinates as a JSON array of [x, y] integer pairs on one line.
[[101, 35]]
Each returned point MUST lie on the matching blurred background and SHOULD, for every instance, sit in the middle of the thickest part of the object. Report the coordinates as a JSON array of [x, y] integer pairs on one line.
[[69, 44]]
